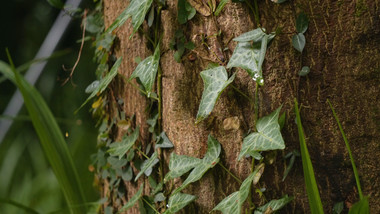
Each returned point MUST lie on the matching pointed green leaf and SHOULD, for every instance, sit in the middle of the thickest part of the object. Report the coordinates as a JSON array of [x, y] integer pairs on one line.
[[215, 81], [137, 9], [304, 71], [263, 50], [159, 197], [253, 35], [338, 208], [121, 148], [302, 23], [360, 207], [51, 139], [232, 204], [267, 137], [299, 42], [133, 200], [103, 82], [179, 201], [147, 166], [147, 69], [180, 164], [279, 1], [209, 161], [274, 205], [163, 141], [308, 171], [220, 7]]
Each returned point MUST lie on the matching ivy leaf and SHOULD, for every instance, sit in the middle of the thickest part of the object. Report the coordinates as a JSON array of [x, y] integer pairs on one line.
[[215, 81], [267, 137], [137, 9], [103, 83], [116, 163], [254, 35], [279, 1], [127, 174], [92, 87], [180, 164], [251, 57], [220, 7], [304, 71], [133, 200], [210, 160], [273, 205], [146, 71], [159, 197], [232, 204], [163, 141], [302, 23], [299, 42], [185, 11], [147, 166], [121, 148], [179, 201]]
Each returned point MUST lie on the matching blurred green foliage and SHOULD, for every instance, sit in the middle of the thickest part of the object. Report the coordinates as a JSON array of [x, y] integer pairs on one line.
[[25, 174]]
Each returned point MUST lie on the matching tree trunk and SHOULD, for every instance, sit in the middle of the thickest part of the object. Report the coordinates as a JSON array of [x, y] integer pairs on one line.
[[342, 50]]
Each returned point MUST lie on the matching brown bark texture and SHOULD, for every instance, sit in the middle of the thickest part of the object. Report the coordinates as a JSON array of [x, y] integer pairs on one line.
[[342, 50]]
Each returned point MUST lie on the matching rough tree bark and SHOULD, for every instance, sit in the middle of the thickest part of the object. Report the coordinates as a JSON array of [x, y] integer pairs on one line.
[[342, 50]]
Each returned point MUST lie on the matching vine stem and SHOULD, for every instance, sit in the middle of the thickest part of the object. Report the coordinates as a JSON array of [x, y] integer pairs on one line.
[[229, 172], [242, 93], [138, 88], [142, 153], [151, 206]]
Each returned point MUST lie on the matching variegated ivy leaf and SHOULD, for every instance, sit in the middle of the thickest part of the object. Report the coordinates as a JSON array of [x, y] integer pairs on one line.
[[251, 57], [254, 35], [178, 201], [209, 161], [273, 205], [215, 81], [267, 137], [133, 200], [103, 82], [232, 204], [180, 164], [146, 71], [137, 9], [147, 166], [121, 148]]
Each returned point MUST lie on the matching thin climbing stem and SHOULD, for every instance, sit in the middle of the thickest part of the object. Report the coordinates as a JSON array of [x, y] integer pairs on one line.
[[243, 94], [255, 14], [151, 206], [256, 107], [142, 153], [229, 172]]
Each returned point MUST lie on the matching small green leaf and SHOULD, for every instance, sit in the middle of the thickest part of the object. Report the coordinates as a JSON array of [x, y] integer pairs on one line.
[[103, 82], [299, 42], [146, 71], [191, 13], [185, 11], [148, 165], [279, 1], [215, 81], [137, 9], [220, 7], [121, 148], [116, 163], [253, 35], [56, 3], [151, 17], [338, 207], [267, 137], [127, 173], [281, 120], [159, 197], [210, 159], [274, 205], [92, 87], [163, 141], [302, 23], [360, 207], [232, 204], [178, 201], [133, 200], [304, 71], [189, 45]]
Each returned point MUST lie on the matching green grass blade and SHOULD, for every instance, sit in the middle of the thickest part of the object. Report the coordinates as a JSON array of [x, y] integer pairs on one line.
[[51, 139], [349, 152], [16, 204], [311, 185]]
